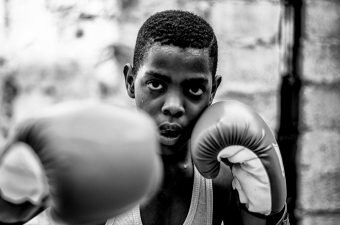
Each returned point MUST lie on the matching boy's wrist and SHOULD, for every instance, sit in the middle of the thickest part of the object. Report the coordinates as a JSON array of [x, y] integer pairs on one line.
[[281, 218]]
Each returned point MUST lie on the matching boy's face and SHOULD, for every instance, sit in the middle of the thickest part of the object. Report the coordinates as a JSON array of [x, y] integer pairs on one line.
[[173, 85]]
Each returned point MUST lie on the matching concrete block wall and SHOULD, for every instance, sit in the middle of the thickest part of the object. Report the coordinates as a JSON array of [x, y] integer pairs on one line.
[[318, 160]]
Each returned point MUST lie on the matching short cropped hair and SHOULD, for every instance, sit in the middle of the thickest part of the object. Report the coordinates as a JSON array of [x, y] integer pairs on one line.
[[178, 28]]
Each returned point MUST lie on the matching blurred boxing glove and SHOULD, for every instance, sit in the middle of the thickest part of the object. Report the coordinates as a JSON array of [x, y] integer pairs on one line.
[[233, 133], [23, 186], [99, 160]]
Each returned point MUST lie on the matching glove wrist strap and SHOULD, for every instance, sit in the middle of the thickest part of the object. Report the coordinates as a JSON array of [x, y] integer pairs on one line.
[[281, 218]]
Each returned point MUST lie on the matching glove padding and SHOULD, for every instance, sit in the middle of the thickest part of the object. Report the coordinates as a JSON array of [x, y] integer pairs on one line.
[[233, 133], [99, 160]]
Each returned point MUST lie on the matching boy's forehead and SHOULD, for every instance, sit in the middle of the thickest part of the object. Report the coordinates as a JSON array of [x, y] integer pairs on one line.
[[197, 60]]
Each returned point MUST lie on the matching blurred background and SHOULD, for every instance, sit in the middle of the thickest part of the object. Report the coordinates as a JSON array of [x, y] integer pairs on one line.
[[280, 57]]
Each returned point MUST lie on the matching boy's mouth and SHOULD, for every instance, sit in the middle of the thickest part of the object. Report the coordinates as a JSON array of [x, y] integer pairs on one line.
[[169, 133]]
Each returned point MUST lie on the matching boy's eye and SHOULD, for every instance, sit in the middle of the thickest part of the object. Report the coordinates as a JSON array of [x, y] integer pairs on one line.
[[154, 85], [195, 91]]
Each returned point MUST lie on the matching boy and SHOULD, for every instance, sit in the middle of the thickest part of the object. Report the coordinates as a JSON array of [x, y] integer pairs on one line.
[[173, 78]]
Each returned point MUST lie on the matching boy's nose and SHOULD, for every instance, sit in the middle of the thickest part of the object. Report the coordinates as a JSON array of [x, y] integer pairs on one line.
[[173, 105]]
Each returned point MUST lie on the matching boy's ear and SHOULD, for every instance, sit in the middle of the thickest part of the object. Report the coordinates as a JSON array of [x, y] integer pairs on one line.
[[216, 84], [129, 80]]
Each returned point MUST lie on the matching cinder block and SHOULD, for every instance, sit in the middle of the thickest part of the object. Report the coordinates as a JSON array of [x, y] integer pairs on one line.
[[142, 9], [199, 7], [248, 70], [322, 19], [239, 21], [321, 61], [128, 32], [319, 171], [30, 22], [2, 142], [265, 103], [2, 19], [321, 107], [328, 219]]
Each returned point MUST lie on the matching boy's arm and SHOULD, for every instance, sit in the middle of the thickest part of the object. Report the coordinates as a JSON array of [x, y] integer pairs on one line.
[[225, 208], [226, 203], [228, 209], [242, 216]]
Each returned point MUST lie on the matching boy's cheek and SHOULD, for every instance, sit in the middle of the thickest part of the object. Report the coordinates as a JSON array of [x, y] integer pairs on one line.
[[148, 105], [197, 107]]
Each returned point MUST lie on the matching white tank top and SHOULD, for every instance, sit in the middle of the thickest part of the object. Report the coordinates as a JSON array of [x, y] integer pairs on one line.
[[200, 211]]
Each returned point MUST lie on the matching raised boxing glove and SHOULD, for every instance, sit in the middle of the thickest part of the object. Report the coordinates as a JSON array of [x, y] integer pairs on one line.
[[99, 160], [232, 132]]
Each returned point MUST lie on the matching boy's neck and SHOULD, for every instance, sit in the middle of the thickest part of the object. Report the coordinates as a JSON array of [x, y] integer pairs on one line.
[[178, 166], [178, 158]]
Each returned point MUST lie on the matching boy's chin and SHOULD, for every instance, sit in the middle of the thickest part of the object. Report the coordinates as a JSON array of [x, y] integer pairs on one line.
[[172, 146], [169, 141]]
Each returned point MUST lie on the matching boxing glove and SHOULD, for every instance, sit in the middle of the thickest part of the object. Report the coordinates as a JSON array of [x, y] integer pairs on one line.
[[99, 160], [23, 186], [233, 133]]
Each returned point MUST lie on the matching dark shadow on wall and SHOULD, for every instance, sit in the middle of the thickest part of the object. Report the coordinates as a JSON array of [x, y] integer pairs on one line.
[[288, 134], [288, 137]]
